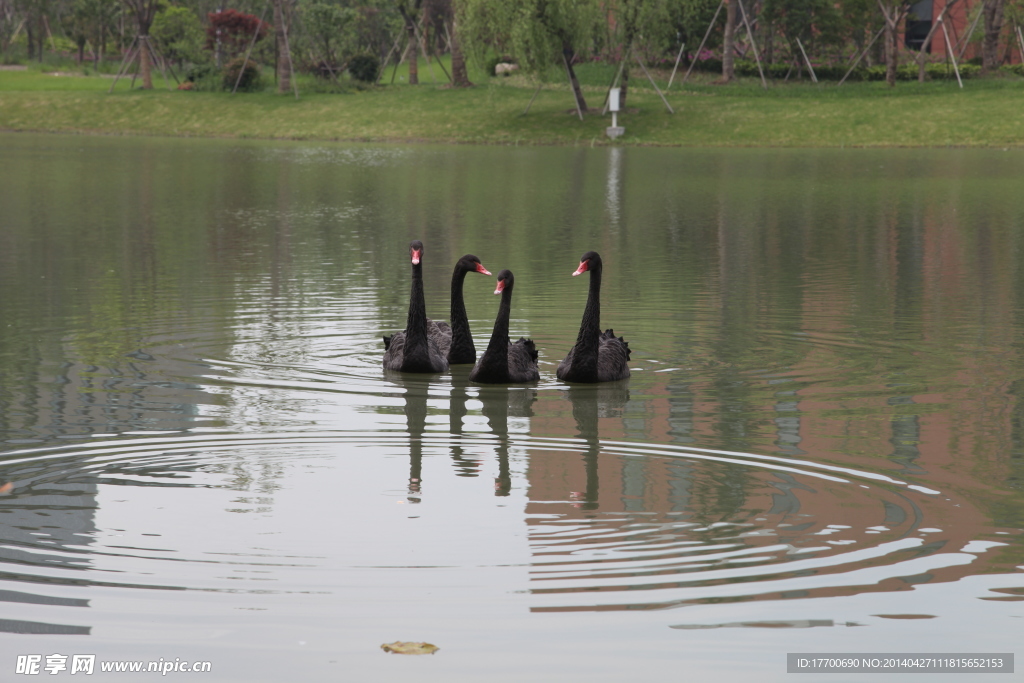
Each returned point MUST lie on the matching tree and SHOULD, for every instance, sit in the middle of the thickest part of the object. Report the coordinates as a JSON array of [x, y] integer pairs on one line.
[[331, 28], [460, 75], [178, 34], [284, 54], [411, 15], [639, 21], [144, 11], [992, 11], [75, 23], [230, 32], [812, 22], [894, 11], [729, 41], [538, 33]]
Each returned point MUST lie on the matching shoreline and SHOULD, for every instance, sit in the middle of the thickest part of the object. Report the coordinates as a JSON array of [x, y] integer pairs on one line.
[[932, 115]]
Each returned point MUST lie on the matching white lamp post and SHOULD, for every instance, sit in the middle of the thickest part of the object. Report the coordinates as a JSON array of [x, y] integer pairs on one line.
[[614, 131]]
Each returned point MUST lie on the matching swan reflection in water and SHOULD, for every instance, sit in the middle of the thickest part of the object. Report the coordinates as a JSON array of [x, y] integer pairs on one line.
[[498, 405], [417, 392], [589, 403]]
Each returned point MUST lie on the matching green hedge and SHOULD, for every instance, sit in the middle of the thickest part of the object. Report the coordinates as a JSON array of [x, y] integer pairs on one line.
[[906, 72]]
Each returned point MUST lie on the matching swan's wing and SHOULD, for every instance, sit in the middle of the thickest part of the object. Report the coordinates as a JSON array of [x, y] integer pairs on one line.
[[440, 333], [566, 364], [522, 361], [394, 349], [612, 357]]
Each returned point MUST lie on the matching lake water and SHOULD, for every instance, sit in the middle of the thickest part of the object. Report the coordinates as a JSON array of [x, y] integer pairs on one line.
[[820, 449]]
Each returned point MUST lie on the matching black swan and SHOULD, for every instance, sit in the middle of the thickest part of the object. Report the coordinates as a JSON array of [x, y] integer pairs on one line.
[[597, 356], [504, 362], [417, 348], [458, 344]]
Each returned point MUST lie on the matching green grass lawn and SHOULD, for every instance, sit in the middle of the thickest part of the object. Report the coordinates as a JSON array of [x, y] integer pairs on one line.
[[984, 113]]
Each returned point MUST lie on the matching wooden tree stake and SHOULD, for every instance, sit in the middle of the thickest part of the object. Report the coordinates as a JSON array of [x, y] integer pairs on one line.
[[667, 105], [673, 76], [249, 50], [704, 40], [951, 55], [753, 44], [804, 53], [864, 52]]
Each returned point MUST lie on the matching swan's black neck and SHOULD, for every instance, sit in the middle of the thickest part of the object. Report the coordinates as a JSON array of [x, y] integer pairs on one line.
[[416, 323], [462, 349], [590, 329], [494, 363]]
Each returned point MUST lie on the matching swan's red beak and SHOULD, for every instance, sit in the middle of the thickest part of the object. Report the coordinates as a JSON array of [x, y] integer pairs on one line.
[[501, 287], [480, 269], [417, 254], [581, 269]]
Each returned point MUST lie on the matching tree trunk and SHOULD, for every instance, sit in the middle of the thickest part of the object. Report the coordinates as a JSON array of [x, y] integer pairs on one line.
[[145, 67], [627, 52], [460, 76], [567, 54], [993, 11], [891, 39], [414, 73], [729, 42], [284, 74], [41, 43], [624, 86]]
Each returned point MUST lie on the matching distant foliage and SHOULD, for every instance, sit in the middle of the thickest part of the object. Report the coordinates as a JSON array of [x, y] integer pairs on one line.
[[331, 29], [235, 30], [364, 68], [534, 32], [204, 77], [178, 35], [251, 80]]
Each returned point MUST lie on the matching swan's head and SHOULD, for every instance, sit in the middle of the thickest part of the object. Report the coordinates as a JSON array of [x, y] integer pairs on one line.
[[471, 264], [588, 261], [416, 252], [505, 281]]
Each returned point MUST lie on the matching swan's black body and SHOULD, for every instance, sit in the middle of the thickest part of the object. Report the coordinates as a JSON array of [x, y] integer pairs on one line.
[[417, 348], [458, 347], [597, 356], [505, 362]]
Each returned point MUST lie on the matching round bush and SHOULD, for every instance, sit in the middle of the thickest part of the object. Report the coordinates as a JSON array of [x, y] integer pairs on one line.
[[250, 82], [364, 68]]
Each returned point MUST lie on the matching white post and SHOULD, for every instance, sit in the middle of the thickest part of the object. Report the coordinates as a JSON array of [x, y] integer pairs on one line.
[[614, 130]]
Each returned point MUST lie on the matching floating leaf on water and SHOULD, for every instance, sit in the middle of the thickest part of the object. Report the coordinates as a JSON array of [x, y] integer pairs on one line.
[[400, 648], [6, 488]]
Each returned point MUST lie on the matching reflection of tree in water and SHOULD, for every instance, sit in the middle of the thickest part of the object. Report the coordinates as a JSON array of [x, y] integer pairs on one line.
[[589, 403]]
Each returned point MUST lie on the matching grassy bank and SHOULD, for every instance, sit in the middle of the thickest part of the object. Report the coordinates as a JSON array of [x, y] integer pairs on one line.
[[939, 113]]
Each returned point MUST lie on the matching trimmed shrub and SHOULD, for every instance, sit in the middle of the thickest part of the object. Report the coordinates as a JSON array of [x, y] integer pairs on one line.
[[204, 77], [364, 68], [250, 82]]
